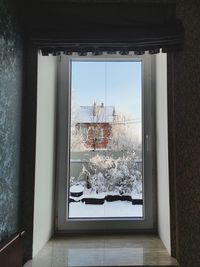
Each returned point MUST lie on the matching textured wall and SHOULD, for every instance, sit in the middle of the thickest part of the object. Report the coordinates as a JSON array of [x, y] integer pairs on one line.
[[186, 133], [10, 119]]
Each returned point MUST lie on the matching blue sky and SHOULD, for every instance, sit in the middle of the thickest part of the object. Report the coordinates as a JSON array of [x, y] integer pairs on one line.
[[112, 83]]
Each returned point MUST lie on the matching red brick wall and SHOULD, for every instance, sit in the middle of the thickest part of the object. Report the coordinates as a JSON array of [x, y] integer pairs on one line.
[[93, 140]]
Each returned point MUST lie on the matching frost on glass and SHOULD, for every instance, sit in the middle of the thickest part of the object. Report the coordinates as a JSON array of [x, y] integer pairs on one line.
[[105, 178]]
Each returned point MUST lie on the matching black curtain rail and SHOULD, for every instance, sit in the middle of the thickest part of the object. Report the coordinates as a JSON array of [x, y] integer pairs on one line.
[[104, 27]]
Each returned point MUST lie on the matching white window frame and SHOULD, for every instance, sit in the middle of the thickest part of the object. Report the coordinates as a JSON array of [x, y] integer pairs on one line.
[[148, 222]]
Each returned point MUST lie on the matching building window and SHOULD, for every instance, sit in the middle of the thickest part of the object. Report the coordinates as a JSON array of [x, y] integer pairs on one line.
[[105, 173]]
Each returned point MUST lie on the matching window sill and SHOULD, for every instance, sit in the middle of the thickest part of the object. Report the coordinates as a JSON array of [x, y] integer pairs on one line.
[[103, 250]]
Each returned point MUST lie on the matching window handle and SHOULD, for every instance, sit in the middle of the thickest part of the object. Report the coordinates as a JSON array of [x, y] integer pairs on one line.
[[148, 143]]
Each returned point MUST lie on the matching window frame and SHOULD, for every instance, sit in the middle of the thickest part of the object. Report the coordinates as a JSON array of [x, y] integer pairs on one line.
[[148, 222]]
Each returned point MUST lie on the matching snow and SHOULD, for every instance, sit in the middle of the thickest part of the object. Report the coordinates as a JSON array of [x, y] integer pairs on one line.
[[76, 189], [92, 195], [108, 210], [136, 196]]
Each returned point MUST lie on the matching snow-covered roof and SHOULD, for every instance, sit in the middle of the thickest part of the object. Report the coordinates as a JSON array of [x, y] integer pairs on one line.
[[96, 114]]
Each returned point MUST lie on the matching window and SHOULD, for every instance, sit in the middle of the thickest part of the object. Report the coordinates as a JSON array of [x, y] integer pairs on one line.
[[105, 143]]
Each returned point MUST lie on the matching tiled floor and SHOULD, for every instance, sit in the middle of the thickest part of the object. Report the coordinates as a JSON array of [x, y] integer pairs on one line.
[[93, 251]]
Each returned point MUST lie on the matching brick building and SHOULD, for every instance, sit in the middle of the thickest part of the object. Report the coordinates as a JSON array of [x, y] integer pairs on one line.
[[95, 123]]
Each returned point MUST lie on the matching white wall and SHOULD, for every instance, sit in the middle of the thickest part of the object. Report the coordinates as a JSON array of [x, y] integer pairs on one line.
[[44, 177], [162, 151]]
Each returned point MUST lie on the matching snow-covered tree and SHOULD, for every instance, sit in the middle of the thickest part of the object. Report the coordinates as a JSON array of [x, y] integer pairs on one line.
[[108, 174], [77, 139], [124, 133]]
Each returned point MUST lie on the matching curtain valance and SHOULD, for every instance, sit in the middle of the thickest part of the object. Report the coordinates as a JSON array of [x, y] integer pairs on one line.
[[104, 27]]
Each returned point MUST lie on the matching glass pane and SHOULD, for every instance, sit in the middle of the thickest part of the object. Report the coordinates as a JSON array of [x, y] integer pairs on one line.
[[106, 140]]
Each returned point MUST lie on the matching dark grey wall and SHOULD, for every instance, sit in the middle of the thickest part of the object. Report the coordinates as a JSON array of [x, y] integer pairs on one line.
[[184, 134], [10, 118]]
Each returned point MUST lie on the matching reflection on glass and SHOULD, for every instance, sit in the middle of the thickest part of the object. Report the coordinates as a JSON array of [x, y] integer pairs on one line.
[[105, 256], [106, 140]]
